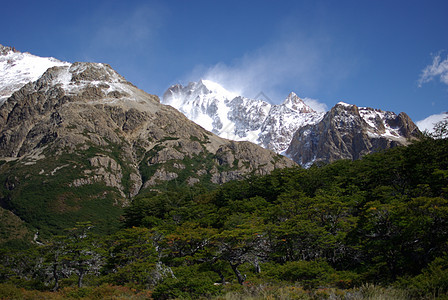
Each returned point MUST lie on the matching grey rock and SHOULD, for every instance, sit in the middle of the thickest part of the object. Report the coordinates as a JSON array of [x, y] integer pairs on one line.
[[349, 132]]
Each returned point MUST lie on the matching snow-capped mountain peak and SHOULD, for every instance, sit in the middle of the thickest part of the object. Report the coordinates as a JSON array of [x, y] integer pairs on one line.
[[239, 118], [295, 103], [17, 69], [344, 104]]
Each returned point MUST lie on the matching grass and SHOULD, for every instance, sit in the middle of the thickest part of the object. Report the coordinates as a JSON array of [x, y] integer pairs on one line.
[[281, 292], [231, 292], [105, 291]]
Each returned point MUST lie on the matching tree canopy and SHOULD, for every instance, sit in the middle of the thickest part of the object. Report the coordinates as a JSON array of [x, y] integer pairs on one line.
[[379, 220]]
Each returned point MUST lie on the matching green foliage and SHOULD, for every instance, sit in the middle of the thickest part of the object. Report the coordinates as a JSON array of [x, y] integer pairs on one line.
[[14, 233], [377, 227], [432, 282], [131, 259], [310, 274], [188, 283]]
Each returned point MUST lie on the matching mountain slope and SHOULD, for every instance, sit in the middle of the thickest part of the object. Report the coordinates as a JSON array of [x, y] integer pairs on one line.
[[80, 142], [231, 116]]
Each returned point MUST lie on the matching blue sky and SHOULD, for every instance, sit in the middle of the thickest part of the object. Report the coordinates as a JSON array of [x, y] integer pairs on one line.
[[389, 54]]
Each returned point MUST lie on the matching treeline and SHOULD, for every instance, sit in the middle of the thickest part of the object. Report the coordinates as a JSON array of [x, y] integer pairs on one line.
[[381, 220]]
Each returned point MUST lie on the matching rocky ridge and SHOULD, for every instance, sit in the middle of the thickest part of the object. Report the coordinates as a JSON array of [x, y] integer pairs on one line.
[[349, 132]]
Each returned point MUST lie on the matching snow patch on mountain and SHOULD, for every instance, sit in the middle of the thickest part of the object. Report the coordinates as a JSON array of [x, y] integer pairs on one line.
[[380, 122], [78, 76], [17, 69]]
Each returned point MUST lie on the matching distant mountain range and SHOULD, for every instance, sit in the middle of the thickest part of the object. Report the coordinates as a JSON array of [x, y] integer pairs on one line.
[[292, 128], [235, 117]]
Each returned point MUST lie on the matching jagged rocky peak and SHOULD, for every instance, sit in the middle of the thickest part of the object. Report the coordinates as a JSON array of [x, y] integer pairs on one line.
[[344, 116], [82, 72], [90, 82], [295, 103], [376, 122], [389, 124], [197, 88], [233, 116], [350, 132]]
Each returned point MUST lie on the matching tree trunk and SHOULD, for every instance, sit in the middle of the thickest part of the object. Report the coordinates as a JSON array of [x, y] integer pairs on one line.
[[223, 279], [241, 278], [56, 277], [81, 276], [257, 267]]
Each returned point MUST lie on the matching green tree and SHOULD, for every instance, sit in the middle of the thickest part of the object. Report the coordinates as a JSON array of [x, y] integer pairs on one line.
[[54, 251], [247, 243], [82, 251], [132, 258]]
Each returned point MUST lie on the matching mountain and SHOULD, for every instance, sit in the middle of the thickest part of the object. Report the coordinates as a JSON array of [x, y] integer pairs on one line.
[[81, 142], [349, 132], [239, 118], [292, 128]]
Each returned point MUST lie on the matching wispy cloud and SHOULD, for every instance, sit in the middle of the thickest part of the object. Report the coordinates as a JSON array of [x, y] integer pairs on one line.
[[292, 62], [438, 68], [127, 32], [315, 104]]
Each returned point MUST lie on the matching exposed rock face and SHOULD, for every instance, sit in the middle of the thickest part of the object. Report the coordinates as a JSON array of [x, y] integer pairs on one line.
[[349, 132]]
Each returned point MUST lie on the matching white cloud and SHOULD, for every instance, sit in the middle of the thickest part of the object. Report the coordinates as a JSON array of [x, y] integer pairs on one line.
[[315, 104], [136, 27], [428, 123], [293, 62], [438, 68], [126, 32], [266, 68]]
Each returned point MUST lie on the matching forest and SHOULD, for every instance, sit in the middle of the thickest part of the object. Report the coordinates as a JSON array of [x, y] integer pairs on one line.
[[371, 228]]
